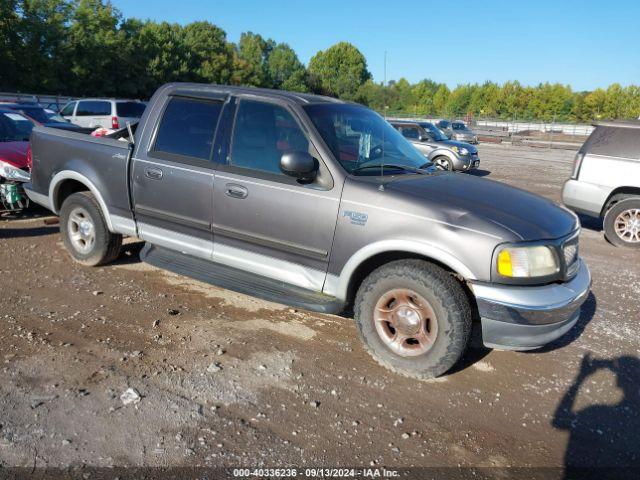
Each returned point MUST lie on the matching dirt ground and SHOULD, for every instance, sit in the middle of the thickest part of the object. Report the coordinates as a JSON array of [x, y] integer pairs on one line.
[[228, 380]]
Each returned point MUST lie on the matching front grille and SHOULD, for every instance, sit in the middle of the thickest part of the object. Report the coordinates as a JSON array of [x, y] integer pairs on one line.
[[570, 252]]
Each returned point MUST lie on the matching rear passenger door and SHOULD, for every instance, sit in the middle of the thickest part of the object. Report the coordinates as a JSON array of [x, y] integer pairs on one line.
[[266, 222], [93, 114], [172, 178]]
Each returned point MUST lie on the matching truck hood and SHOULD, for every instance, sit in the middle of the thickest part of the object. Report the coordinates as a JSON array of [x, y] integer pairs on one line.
[[470, 200], [14, 153]]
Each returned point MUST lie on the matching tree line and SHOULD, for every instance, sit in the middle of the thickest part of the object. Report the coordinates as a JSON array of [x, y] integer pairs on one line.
[[88, 48]]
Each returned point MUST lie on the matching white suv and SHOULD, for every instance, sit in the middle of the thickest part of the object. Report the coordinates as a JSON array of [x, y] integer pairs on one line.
[[100, 112], [606, 181]]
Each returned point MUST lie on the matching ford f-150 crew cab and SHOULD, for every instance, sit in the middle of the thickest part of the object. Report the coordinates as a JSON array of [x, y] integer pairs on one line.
[[321, 204]]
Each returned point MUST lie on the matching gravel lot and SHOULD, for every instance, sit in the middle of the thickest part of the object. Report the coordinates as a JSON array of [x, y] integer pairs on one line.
[[227, 380]]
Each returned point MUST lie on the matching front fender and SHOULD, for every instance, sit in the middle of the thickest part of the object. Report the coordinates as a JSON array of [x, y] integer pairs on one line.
[[338, 286]]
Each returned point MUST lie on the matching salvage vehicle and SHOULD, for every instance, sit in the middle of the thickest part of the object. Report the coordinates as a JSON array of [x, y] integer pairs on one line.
[[15, 129], [321, 204], [444, 153], [605, 181], [458, 130]]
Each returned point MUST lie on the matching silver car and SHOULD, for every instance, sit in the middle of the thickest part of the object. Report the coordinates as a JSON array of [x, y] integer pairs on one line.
[[605, 182], [432, 143], [457, 130]]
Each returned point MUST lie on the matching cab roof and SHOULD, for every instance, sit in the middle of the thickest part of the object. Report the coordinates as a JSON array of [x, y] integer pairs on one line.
[[618, 123], [294, 97]]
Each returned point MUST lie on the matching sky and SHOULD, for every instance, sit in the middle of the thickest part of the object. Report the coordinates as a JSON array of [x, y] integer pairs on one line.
[[585, 44]]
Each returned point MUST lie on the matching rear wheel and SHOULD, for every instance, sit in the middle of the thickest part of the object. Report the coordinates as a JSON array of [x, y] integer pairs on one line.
[[622, 223], [84, 231], [443, 163], [414, 318]]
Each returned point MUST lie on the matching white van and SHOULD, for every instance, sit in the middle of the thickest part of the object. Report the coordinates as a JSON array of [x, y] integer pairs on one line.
[[101, 112]]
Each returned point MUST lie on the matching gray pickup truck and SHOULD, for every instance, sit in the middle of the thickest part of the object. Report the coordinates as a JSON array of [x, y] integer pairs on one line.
[[321, 204]]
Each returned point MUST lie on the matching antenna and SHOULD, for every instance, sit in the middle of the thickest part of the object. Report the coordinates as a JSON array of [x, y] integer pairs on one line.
[[384, 106]]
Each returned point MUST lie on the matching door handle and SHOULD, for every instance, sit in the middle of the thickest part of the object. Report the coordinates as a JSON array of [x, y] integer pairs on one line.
[[236, 191], [153, 173]]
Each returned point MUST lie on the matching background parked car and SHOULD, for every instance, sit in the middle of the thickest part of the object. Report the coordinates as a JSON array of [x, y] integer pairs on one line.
[[100, 112], [15, 130], [41, 117], [605, 182], [433, 144], [457, 130]]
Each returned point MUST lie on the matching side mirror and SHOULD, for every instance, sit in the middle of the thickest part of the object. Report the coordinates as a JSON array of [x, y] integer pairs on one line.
[[300, 165]]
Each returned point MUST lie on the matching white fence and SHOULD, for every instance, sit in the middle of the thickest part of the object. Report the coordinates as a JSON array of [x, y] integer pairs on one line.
[[513, 127]]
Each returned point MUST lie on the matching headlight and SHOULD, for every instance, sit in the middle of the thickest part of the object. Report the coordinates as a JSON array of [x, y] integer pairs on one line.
[[464, 151], [527, 262], [12, 173]]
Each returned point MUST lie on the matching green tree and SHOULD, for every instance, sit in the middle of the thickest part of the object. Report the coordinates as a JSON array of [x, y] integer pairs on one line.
[[250, 64], [339, 71], [440, 100], [92, 49], [209, 58], [285, 70], [9, 43]]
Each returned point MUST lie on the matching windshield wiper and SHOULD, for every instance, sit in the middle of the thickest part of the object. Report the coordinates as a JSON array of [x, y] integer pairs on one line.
[[406, 168]]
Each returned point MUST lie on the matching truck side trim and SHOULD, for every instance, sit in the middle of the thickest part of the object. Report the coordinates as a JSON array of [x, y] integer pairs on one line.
[[176, 241], [264, 265], [283, 270], [337, 286], [38, 198]]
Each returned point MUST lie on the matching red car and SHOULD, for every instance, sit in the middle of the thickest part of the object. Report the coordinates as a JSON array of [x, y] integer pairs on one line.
[[15, 129]]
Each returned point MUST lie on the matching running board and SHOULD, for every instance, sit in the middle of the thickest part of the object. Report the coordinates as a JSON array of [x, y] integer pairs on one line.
[[239, 280]]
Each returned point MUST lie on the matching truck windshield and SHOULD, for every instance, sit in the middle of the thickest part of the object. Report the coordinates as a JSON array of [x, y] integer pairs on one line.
[[363, 142]]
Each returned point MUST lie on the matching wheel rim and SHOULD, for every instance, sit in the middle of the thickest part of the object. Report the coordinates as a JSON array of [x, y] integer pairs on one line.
[[405, 322], [442, 163], [627, 225], [82, 231]]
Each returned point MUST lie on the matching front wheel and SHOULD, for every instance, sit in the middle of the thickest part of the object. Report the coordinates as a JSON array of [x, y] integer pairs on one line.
[[413, 317], [622, 223], [443, 163], [84, 231]]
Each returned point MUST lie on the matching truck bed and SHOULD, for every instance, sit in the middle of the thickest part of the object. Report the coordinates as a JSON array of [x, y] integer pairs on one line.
[[61, 157]]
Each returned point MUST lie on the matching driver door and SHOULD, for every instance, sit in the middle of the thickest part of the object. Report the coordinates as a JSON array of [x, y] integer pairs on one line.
[[265, 221]]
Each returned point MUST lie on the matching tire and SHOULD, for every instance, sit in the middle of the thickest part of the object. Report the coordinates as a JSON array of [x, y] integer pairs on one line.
[[623, 214], [448, 334], [84, 231], [443, 162]]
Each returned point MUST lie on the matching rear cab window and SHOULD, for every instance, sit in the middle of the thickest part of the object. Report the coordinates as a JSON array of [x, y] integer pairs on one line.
[[187, 129], [94, 108], [130, 109]]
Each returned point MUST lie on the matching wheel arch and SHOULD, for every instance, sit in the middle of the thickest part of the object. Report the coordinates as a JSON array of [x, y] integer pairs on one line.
[[367, 259], [68, 182], [620, 193]]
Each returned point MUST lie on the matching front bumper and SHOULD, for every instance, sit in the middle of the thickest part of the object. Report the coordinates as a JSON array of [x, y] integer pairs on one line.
[[526, 317], [468, 162]]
